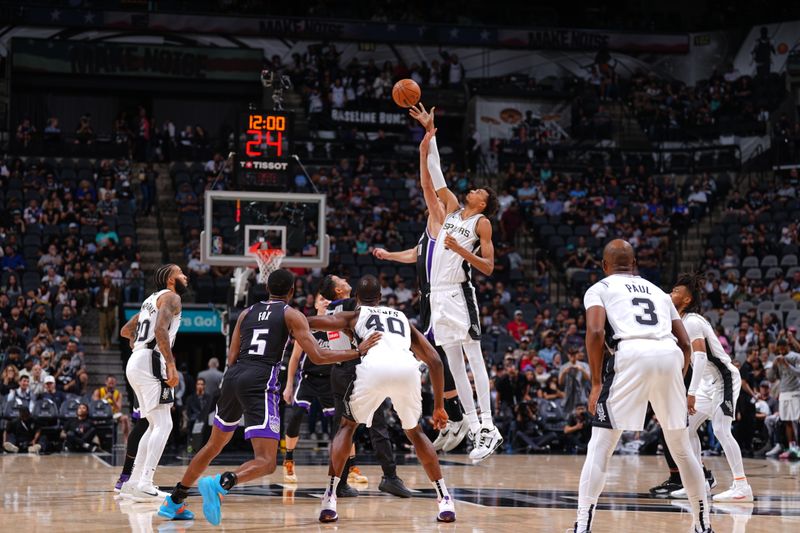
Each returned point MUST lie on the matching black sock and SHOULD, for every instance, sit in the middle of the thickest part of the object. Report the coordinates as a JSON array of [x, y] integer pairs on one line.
[[289, 455], [707, 473], [453, 408], [227, 480], [127, 468], [180, 493], [675, 476]]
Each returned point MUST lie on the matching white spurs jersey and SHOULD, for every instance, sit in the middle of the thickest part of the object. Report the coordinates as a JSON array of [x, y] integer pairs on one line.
[[395, 343], [448, 267], [635, 308], [719, 366], [146, 325]]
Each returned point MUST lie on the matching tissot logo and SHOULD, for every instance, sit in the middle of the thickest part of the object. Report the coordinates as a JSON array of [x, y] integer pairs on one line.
[[264, 165]]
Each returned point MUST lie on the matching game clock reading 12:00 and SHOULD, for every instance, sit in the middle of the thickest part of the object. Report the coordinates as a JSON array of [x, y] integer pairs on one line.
[[266, 134]]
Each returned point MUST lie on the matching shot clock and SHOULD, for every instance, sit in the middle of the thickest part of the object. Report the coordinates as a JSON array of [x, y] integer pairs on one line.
[[264, 156]]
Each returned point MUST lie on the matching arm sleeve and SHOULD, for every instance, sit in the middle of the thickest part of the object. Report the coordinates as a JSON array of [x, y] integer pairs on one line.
[[593, 296], [699, 360], [435, 167]]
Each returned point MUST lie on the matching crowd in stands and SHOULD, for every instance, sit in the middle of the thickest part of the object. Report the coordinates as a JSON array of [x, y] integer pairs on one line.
[[130, 136], [67, 245]]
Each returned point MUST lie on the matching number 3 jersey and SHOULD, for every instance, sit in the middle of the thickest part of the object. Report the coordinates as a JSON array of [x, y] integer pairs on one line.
[[146, 323], [635, 308], [395, 343], [263, 333]]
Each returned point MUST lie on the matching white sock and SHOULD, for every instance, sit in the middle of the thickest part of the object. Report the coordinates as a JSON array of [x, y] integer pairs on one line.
[[455, 357], [333, 482], [441, 489], [722, 430], [593, 474], [161, 423], [478, 366], [692, 476], [141, 453]]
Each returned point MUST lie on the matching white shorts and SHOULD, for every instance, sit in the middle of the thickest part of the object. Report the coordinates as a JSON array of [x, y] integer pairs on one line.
[[144, 378], [398, 380], [789, 406], [454, 314], [721, 395], [642, 371]]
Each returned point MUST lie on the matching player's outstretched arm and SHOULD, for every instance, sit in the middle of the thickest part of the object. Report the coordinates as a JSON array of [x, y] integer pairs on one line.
[[299, 328], [236, 341], [483, 262], [406, 256], [425, 353], [436, 214], [595, 341], [169, 306], [128, 331], [335, 322]]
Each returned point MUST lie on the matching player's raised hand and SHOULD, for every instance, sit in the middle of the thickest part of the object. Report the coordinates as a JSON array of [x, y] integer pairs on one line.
[[368, 343], [439, 418], [424, 117], [425, 144]]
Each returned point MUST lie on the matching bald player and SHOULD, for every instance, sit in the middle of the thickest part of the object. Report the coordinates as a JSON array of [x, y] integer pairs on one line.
[[639, 325]]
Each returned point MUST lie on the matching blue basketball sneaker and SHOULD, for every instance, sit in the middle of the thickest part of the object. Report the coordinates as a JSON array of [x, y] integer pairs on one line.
[[174, 511], [212, 493]]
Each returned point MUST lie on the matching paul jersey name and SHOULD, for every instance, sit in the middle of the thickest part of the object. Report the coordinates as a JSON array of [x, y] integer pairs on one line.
[[638, 289]]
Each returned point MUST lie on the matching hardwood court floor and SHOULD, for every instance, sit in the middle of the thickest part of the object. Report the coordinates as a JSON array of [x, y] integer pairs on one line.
[[507, 493]]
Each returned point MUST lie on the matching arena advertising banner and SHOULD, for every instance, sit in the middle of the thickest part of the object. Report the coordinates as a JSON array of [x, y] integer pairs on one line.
[[371, 31], [203, 320], [135, 60], [500, 118], [370, 118]]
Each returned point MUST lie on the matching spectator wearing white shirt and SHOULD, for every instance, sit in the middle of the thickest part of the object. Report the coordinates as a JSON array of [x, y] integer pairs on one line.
[[698, 201], [337, 94], [196, 267], [403, 293]]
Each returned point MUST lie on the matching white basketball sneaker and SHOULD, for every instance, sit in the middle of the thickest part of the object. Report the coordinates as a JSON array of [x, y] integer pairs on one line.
[[327, 511], [443, 437], [739, 492], [142, 492], [447, 510], [458, 431], [488, 441]]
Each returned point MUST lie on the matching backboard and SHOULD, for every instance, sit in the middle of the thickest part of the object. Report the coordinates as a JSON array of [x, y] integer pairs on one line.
[[293, 222]]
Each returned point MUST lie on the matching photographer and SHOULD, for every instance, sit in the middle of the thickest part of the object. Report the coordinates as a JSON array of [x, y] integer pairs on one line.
[[79, 434], [22, 434], [578, 430], [572, 378], [531, 434]]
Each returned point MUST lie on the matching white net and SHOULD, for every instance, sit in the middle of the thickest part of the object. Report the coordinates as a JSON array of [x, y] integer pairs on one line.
[[269, 261]]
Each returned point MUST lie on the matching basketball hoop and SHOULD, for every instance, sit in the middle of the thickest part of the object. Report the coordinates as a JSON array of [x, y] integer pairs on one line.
[[269, 260]]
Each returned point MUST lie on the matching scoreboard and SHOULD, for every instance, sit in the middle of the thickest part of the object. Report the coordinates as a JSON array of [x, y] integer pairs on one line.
[[264, 155]]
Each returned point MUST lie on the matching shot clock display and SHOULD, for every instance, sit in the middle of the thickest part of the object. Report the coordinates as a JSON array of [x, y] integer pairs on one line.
[[264, 157]]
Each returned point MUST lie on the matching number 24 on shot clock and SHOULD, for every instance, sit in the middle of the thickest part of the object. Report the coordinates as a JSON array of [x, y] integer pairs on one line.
[[265, 131]]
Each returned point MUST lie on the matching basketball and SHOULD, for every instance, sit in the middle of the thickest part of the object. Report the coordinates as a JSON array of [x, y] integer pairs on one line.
[[406, 93]]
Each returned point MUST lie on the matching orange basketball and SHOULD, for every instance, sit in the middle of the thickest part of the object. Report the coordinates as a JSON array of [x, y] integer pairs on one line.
[[406, 93]]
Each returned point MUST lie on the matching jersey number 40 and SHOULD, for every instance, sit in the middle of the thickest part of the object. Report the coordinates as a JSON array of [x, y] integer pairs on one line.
[[393, 325]]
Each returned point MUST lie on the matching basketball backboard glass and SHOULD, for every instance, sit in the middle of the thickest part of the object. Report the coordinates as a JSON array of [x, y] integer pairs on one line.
[[293, 222]]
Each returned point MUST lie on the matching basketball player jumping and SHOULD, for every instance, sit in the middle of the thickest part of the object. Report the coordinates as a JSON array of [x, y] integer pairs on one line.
[[314, 382], [389, 369], [250, 388], [337, 290], [454, 309], [639, 325], [152, 374], [714, 388], [457, 427]]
